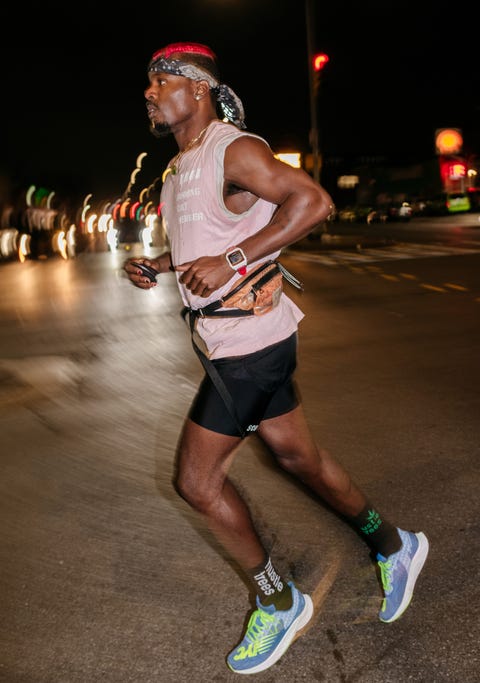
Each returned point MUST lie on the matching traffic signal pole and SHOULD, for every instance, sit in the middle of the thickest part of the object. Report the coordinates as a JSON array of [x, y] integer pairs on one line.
[[310, 23]]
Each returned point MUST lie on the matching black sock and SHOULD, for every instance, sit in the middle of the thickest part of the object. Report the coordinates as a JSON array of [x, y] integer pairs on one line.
[[379, 534], [270, 587]]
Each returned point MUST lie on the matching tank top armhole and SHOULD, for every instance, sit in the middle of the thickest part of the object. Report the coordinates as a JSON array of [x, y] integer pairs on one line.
[[219, 153]]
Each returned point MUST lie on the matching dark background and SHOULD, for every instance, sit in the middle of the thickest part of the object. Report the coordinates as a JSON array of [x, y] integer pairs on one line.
[[73, 78]]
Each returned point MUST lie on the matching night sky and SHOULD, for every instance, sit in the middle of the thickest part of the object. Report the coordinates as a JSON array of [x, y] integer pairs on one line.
[[74, 118]]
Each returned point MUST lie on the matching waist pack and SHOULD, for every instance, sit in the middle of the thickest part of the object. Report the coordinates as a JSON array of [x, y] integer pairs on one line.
[[256, 293]]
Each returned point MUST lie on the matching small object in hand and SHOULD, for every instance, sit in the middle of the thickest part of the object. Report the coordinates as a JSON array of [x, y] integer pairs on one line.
[[149, 272]]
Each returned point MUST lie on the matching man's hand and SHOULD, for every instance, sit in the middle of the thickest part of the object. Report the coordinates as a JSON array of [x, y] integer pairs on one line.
[[161, 264], [136, 276], [205, 275]]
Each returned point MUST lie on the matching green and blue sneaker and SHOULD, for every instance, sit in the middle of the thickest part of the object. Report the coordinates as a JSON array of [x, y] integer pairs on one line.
[[399, 573], [269, 634]]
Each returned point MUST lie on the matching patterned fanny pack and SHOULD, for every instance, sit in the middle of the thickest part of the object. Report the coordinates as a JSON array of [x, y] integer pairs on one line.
[[256, 293]]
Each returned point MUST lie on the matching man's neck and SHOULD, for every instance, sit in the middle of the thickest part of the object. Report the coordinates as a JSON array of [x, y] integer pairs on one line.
[[190, 134]]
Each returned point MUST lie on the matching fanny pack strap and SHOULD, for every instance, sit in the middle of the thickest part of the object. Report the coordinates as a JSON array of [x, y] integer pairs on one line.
[[212, 371]]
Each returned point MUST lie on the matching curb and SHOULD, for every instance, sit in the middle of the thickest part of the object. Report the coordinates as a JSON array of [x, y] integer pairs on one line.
[[327, 241]]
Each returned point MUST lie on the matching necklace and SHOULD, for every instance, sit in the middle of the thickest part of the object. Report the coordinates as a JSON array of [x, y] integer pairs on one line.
[[173, 166]]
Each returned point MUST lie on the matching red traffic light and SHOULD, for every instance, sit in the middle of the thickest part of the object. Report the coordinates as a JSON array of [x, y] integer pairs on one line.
[[319, 61]]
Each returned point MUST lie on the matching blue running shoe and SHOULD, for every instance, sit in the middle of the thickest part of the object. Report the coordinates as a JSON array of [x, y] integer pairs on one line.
[[399, 573], [269, 633]]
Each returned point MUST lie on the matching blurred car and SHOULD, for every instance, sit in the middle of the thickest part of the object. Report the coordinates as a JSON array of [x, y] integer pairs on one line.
[[377, 216], [355, 214], [402, 211], [436, 206], [445, 203], [347, 215]]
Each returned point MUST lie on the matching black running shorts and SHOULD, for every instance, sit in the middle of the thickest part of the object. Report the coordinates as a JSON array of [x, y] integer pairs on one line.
[[260, 384]]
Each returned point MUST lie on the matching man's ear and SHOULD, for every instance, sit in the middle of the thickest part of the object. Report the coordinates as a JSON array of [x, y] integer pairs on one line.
[[201, 90]]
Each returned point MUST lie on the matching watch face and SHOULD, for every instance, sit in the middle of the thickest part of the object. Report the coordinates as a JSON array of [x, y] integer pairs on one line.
[[236, 257]]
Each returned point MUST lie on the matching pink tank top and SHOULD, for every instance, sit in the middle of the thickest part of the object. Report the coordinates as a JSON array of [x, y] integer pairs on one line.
[[198, 223]]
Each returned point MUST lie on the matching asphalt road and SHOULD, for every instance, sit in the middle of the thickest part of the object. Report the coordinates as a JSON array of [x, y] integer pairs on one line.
[[107, 576]]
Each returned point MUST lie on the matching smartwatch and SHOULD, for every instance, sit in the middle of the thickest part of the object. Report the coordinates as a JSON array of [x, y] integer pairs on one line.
[[237, 260]]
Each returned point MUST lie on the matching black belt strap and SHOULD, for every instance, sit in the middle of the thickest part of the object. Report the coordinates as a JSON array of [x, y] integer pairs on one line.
[[212, 371]]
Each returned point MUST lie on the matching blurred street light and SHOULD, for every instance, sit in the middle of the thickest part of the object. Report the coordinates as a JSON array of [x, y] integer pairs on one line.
[[290, 158]]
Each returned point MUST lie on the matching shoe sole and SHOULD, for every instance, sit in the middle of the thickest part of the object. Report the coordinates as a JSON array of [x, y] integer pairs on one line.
[[415, 569], [296, 625]]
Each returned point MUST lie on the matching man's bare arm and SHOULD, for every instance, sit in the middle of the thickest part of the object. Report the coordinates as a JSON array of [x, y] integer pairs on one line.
[[302, 203]]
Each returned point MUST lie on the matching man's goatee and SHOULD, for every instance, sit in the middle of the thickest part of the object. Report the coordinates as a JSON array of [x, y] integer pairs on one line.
[[160, 130]]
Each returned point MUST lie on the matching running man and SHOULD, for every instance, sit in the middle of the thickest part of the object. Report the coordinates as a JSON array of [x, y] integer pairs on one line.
[[228, 207]]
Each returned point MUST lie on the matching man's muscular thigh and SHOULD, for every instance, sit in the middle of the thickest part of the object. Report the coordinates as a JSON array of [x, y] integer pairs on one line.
[[203, 458], [288, 435]]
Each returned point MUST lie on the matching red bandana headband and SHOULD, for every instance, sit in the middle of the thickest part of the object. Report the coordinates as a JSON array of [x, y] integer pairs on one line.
[[162, 62]]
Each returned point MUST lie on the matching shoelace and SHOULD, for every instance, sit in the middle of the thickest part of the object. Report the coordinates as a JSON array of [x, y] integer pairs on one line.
[[259, 622], [261, 631], [387, 567], [386, 574]]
